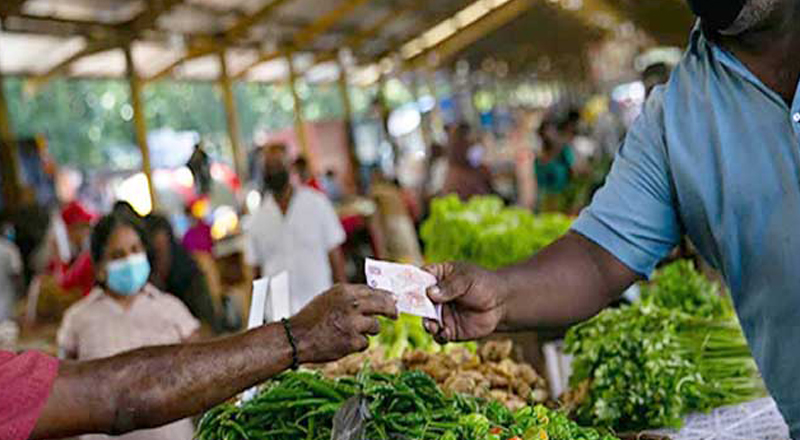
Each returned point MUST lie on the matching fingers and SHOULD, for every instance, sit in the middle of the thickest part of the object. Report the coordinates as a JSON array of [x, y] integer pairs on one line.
[[452, 283], [376, 302], [368, 325]]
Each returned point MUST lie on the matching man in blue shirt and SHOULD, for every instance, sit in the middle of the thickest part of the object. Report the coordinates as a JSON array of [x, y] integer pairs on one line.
[[715, 156]]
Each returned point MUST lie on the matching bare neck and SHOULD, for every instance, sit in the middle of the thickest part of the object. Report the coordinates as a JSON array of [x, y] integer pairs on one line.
[[284, 199], [771, 51]]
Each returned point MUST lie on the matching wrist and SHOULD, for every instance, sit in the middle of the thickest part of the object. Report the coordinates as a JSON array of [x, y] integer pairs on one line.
[[302, 341], [503, 294]]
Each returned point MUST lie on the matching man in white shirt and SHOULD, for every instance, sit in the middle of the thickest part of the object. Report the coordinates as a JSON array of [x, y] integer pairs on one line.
[[295, 230]]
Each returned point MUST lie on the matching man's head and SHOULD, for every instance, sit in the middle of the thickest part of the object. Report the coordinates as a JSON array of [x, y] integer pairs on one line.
[[78, 221], [276, 168], [302, 169], [733, 17]]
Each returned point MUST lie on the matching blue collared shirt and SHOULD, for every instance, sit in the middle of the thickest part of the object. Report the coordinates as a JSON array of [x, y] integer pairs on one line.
[[715, 155]]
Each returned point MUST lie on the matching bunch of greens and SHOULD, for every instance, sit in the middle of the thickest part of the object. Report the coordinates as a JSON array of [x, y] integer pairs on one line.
[[678, 351], [302, 405], [408, 333], [484, 232]]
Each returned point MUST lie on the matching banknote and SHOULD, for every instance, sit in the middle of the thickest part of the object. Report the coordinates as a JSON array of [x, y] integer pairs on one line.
[[407, 283]]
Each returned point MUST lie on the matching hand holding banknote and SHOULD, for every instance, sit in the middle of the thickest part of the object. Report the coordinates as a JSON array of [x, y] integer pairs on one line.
[[408, 285]]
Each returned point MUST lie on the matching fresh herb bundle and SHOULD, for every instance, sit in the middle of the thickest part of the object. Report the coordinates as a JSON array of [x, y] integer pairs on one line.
[[680, 350]]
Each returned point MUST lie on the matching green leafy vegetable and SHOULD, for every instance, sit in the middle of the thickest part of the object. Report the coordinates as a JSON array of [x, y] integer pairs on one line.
[[302, 405], [680, 350], [484, 232]]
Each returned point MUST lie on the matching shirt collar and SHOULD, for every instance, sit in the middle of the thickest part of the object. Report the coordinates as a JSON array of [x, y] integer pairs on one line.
[[99, 295], [702, 46]]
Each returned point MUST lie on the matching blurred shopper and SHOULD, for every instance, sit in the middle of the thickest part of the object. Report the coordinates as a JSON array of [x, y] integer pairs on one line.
[[11, 276], [305, 175], [200, 166], [175, 271], [331, 186], [124, 312], [78, 273], [294, 230], [555, 161], [467, 176]]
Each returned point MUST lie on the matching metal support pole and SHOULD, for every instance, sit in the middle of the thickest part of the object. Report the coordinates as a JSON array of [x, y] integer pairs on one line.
[[12, 189], [234, 132], [344, 91], [299, 124], [140, 123]]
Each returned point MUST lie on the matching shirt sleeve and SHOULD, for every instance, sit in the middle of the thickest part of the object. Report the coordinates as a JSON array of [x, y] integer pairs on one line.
[[633, 216], [332, 230], [26, 381], [180, 316]]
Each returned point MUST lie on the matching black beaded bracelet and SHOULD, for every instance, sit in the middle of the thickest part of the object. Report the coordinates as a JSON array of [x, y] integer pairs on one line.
[[288, 328]]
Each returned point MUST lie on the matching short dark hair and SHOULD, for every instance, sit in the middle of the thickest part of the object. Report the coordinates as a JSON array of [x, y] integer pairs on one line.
[[106, 226]]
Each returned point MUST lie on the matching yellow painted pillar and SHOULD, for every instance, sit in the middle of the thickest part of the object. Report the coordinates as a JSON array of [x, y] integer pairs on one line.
[[344, 91], [299, 122], [12, 189], [234, 132], [140, 123]]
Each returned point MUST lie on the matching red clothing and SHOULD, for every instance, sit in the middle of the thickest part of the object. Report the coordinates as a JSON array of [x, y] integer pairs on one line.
[[26, 381], [79, 275], [198, 238]]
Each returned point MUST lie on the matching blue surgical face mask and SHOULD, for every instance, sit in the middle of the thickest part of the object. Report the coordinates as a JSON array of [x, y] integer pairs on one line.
[[127, 276]]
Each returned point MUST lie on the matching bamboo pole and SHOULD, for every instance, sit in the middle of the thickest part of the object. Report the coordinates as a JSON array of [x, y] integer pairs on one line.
[[344, 91], [234, 131], [299, 122], [140, 123]]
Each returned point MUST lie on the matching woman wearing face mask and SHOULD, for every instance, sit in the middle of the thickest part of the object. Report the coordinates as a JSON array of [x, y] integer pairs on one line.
[[123, 311]]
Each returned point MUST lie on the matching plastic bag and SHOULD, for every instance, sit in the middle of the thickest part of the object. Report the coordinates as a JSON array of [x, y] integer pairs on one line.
[[350, 422]]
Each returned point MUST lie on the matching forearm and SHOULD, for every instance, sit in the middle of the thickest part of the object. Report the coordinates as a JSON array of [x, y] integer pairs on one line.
[[152, 386], [567, 282], [336, 259]]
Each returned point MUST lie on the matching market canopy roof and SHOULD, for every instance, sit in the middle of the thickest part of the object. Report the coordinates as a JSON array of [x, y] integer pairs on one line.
[[183, 39]]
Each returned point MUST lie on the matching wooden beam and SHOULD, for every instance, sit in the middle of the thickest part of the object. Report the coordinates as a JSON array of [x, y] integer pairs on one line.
[[471, 33], [132, 28], [60, 27], [140, 123], [9, 159], [242, 26], [238, 30], [299, 119], [347, 106], [92, 47], [234, 132], [312, 31], [356, 40]]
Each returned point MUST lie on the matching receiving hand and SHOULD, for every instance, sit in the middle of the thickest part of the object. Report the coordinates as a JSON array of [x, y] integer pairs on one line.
[[337, 322], [471, 307]]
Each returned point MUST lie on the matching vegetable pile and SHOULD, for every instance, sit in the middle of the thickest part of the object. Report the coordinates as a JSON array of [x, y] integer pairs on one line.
[[488, 374], [408, 333], [484, 232], [679, 350], [303, 405]]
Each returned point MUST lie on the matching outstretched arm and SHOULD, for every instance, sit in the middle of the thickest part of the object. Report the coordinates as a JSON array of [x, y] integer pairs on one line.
[[153, 386], [567, 282]]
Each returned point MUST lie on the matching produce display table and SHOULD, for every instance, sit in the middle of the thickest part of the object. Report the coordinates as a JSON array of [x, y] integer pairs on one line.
[[756, 420]]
